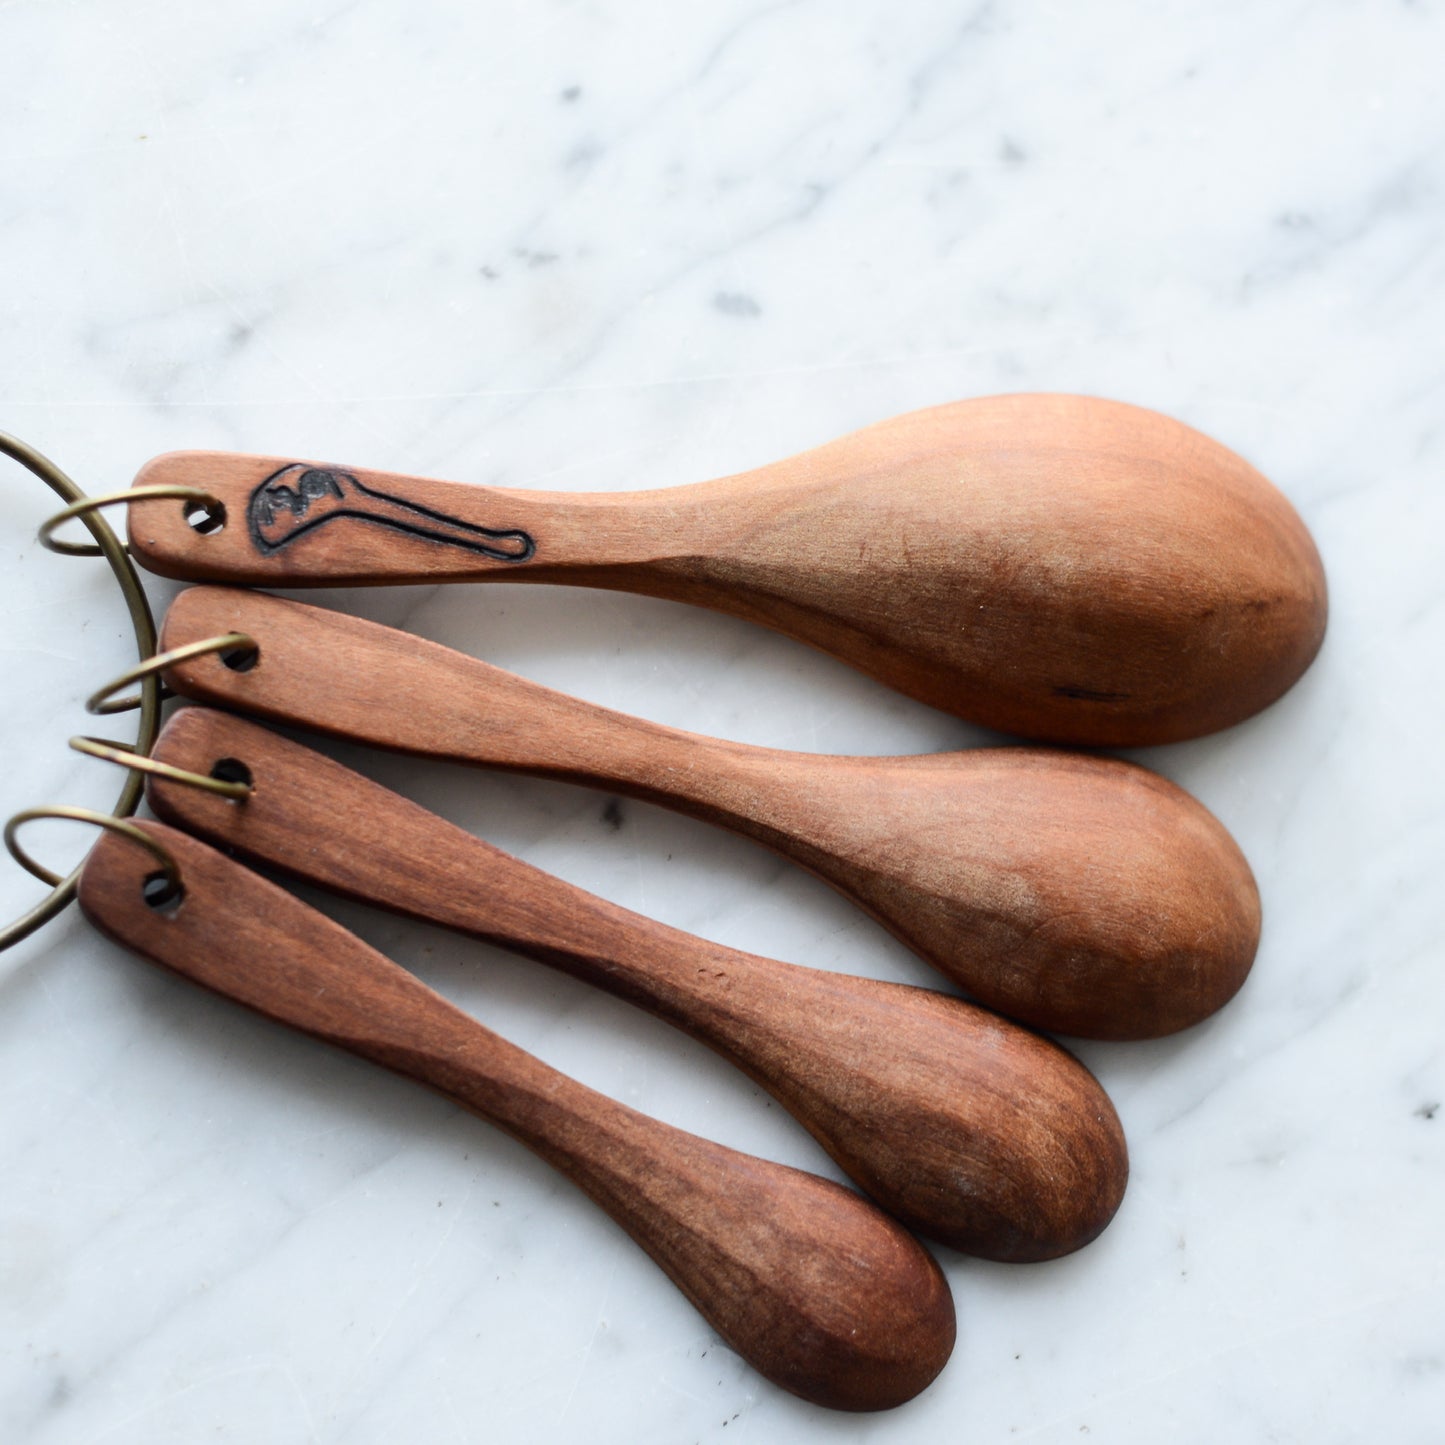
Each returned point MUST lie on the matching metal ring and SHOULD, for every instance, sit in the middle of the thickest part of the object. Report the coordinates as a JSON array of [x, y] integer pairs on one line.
[[144, 624], [109, 751], [46, 535], [101, 820], [102, 703]]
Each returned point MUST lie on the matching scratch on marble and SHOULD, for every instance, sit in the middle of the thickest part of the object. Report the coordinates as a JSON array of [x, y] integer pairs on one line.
[[421, 1272], [677, 1389], [591, 1342], [290, 1377], [211, 1377]]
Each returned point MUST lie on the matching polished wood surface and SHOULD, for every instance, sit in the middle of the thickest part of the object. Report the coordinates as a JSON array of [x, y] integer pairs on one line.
[[1075, 893], [812, 1285], [1057, 567], [967, 1128]]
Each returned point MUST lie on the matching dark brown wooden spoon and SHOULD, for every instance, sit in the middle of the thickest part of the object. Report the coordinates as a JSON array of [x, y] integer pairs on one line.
[[1058, 567], [965, 1127], [1075, 893], [809, 1283]]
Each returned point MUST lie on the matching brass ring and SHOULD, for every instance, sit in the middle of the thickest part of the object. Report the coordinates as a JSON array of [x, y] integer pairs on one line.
[[101, 820], [144, 625], [126, 756], [103, 703], [46, 535]]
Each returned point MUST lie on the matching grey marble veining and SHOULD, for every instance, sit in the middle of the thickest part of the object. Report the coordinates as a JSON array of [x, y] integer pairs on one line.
[[596, 246]]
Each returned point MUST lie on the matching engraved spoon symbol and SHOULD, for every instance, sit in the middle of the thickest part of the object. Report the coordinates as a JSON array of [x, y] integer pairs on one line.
[[299, 498]]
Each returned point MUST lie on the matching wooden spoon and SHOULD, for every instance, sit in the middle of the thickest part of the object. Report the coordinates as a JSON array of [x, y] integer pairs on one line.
[[1058, 567], [966, 1128], [813, 1286], [1076, 893]]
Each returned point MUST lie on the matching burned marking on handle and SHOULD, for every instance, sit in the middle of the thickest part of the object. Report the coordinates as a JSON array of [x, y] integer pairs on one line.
[[299, 498]]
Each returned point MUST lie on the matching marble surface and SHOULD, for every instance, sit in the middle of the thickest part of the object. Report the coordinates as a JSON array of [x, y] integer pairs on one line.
[[601, 246]]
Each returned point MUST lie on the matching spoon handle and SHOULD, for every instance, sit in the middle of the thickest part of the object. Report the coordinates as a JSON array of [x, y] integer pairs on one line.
[[350, 678], [967, 1128], [813, 1286], [311, 524]]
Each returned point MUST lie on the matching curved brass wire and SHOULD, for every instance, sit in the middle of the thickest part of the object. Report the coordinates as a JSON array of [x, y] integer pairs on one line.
[[46, 535], [104, 704], [144, 624], [126, 756], [101, 820]]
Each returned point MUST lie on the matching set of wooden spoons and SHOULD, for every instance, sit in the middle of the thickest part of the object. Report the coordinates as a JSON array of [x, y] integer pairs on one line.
[[1065, 569]]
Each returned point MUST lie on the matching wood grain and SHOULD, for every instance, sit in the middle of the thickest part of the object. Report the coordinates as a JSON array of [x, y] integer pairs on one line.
[[813, 1286], [968, 1129], [1075, 893], [1057, 567]]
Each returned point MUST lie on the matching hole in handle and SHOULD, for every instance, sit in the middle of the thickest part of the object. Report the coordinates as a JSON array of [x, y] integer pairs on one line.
[[206, 516], [241, 658], [232, 770], [162, 893]]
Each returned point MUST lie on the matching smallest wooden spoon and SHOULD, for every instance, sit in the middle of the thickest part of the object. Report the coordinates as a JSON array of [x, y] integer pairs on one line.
[[813, 1286]]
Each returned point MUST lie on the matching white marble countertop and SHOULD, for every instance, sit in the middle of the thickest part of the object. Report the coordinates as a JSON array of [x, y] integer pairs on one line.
[[610, 246]]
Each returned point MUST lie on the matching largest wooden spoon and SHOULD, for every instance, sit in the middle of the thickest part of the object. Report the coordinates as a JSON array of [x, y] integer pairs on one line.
[[1058, 567]]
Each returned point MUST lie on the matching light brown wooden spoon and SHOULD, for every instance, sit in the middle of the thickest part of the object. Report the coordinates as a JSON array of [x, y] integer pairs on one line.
[[1075, 893], [1058, 567], [966, 1128], [809, 1283]]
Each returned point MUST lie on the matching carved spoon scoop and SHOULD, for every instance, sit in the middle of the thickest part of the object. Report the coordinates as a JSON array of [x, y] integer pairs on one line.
[[1057, 567], [963, 1126], [813, 1286], [1078, 894]]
